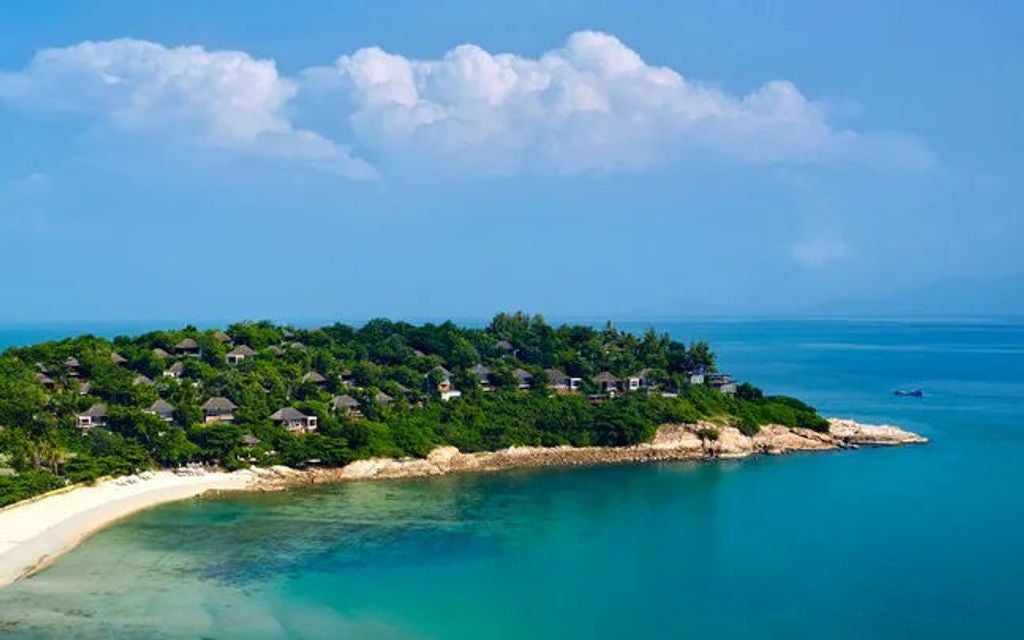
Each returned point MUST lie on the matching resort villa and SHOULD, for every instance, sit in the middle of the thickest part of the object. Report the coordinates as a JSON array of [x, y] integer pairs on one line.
[[162, 409], [483, 376], [294, 420], [239, 354], [562, 383], [95, 416], [524, 379], [445, 388], [608, 383], [348, 405], [218, 409], [188, 347], [721, 381]]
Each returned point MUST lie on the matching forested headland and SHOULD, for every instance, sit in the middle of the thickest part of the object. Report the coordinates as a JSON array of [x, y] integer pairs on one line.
[[257, 393]]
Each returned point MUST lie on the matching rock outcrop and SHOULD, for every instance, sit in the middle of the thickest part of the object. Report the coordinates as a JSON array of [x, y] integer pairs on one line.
[[674, 442]]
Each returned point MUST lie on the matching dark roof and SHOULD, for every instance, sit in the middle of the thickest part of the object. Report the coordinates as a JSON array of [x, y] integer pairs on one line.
[[219, 403], [287, 413], [117, 358], [96, 411], [383, 398], [242, 350], [522, 374], [187, 344], [44, 379], [220, 336], [160, 353], [556, 376], [72, 362], [345, 402], [161, 407], [605, 376], [480, 371]]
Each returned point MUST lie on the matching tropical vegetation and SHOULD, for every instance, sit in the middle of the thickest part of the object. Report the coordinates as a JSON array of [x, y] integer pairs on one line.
[[389, 373]]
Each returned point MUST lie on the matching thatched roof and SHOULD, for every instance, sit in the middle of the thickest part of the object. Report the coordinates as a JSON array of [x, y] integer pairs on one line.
[[314, 377], [287, 414], [556, 376], [161, 408], [187, 344], [96, 411], [218, 404], [345, 402]]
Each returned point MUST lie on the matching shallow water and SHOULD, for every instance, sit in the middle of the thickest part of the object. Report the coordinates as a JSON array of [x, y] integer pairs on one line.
[[883, 543]]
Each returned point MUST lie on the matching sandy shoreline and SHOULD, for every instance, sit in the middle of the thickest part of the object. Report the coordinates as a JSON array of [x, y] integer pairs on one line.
[[36, 532]]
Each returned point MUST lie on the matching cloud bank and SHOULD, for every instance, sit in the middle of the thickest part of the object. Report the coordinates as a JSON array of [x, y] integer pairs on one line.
[[221, 99], [593, 105]]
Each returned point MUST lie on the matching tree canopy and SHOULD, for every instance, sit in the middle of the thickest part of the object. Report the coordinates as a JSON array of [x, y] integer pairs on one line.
[[391, 370]]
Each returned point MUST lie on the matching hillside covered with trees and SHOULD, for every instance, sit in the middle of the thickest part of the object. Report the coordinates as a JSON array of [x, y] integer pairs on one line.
[[256, 393]]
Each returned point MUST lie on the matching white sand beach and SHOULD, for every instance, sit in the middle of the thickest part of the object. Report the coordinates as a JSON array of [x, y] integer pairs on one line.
[[36, 532]]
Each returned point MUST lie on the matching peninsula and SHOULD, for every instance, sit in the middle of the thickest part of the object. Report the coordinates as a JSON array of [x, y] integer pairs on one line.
[[259, 406]]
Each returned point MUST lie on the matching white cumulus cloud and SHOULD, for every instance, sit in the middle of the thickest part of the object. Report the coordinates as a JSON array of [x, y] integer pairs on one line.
[[593, 104], [224, 99]]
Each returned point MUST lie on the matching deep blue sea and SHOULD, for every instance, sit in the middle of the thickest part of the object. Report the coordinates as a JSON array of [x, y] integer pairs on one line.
[[914, 542]]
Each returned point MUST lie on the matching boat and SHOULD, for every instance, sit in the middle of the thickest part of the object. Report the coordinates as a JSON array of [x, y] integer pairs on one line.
[[912, 393]]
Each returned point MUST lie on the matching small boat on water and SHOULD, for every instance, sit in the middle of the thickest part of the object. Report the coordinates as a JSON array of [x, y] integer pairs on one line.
[[911, 393]]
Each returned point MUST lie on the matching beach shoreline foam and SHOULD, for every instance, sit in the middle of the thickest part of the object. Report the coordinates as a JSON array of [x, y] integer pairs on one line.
[[36, 532]]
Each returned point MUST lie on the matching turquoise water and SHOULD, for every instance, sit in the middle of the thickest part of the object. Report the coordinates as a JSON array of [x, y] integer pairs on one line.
[[916, 542]]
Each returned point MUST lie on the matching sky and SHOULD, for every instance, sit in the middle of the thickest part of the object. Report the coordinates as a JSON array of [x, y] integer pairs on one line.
[[197, 161]]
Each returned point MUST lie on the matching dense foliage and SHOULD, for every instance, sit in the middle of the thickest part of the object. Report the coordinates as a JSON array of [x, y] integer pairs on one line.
[[390, 369]]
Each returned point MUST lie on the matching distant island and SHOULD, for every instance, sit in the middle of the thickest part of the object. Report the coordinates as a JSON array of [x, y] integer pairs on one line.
[[260, 395]]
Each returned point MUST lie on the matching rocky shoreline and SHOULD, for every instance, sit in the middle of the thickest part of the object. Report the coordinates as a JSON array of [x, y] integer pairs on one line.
[[681, 442], [36, 532]]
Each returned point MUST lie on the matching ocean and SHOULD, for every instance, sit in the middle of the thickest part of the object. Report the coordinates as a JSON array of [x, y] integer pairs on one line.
[[912, 542]]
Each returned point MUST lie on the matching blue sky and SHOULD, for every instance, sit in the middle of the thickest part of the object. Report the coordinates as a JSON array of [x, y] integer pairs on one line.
[[200, 161]]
